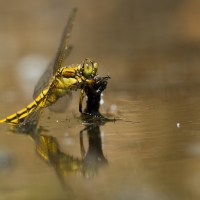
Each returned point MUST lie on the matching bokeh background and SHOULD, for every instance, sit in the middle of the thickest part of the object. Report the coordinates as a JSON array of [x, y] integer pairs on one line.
[[151, 51], [152, 44]]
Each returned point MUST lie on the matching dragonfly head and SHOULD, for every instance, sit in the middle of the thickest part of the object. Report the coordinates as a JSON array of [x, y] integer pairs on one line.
[[90, 68]]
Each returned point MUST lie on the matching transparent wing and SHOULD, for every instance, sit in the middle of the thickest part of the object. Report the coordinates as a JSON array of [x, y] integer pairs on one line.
[[62, 103], [33, 117], [64, 42], [43, 81], [47, 75], [63, 52], [31, 121]]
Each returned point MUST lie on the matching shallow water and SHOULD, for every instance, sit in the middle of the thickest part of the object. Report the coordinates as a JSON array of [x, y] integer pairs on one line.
[[150, 148], [151, 151]]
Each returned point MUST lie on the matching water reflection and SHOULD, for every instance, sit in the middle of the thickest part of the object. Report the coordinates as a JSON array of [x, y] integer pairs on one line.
[[94, 158], [64, 164]]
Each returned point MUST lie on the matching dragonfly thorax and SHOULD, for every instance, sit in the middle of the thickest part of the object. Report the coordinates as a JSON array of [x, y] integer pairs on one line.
[[89, 68]]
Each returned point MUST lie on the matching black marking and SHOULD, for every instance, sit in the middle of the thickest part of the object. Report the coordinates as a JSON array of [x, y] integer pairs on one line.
[[36, 102], [18, 117], [32, 106], [10, 120], [21, 113], [27, 110], [20, 120]]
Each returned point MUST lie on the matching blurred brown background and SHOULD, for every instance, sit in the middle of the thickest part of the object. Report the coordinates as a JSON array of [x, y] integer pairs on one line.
[[150, 43]]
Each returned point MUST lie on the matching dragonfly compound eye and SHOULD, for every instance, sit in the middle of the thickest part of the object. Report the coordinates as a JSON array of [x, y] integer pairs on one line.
[[89, 68]]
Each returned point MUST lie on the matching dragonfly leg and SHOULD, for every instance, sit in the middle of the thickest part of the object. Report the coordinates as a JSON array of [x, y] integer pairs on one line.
[[81, 100]]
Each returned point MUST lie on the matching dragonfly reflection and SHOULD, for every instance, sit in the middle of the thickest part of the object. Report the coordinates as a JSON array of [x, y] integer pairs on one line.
[[64, 164]]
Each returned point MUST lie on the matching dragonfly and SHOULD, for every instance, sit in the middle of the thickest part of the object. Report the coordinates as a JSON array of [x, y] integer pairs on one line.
[[58, 82]]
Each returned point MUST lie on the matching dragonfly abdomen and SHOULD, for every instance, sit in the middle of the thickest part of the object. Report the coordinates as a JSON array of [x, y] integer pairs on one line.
[[18, 117]]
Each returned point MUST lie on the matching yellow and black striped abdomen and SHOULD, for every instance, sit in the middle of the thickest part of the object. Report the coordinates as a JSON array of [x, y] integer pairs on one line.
[[18, 117]]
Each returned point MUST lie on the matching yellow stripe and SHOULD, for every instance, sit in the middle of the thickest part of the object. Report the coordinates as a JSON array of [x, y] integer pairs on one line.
[[23, 116], [15, 121], [22, 111], [38, 98], [3, 120], [31, 106], [12, 116], [9, 121], [18, 117], [12, 119]]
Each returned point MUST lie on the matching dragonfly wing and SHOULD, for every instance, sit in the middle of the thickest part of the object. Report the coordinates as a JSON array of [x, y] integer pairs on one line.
[[30, 121], [47, 75], [64, 51], [29, 124], [62, 103], [64, 41], [43, 81]]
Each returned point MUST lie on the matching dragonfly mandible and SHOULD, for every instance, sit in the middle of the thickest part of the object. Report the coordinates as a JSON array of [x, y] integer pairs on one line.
[[59, 81]]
